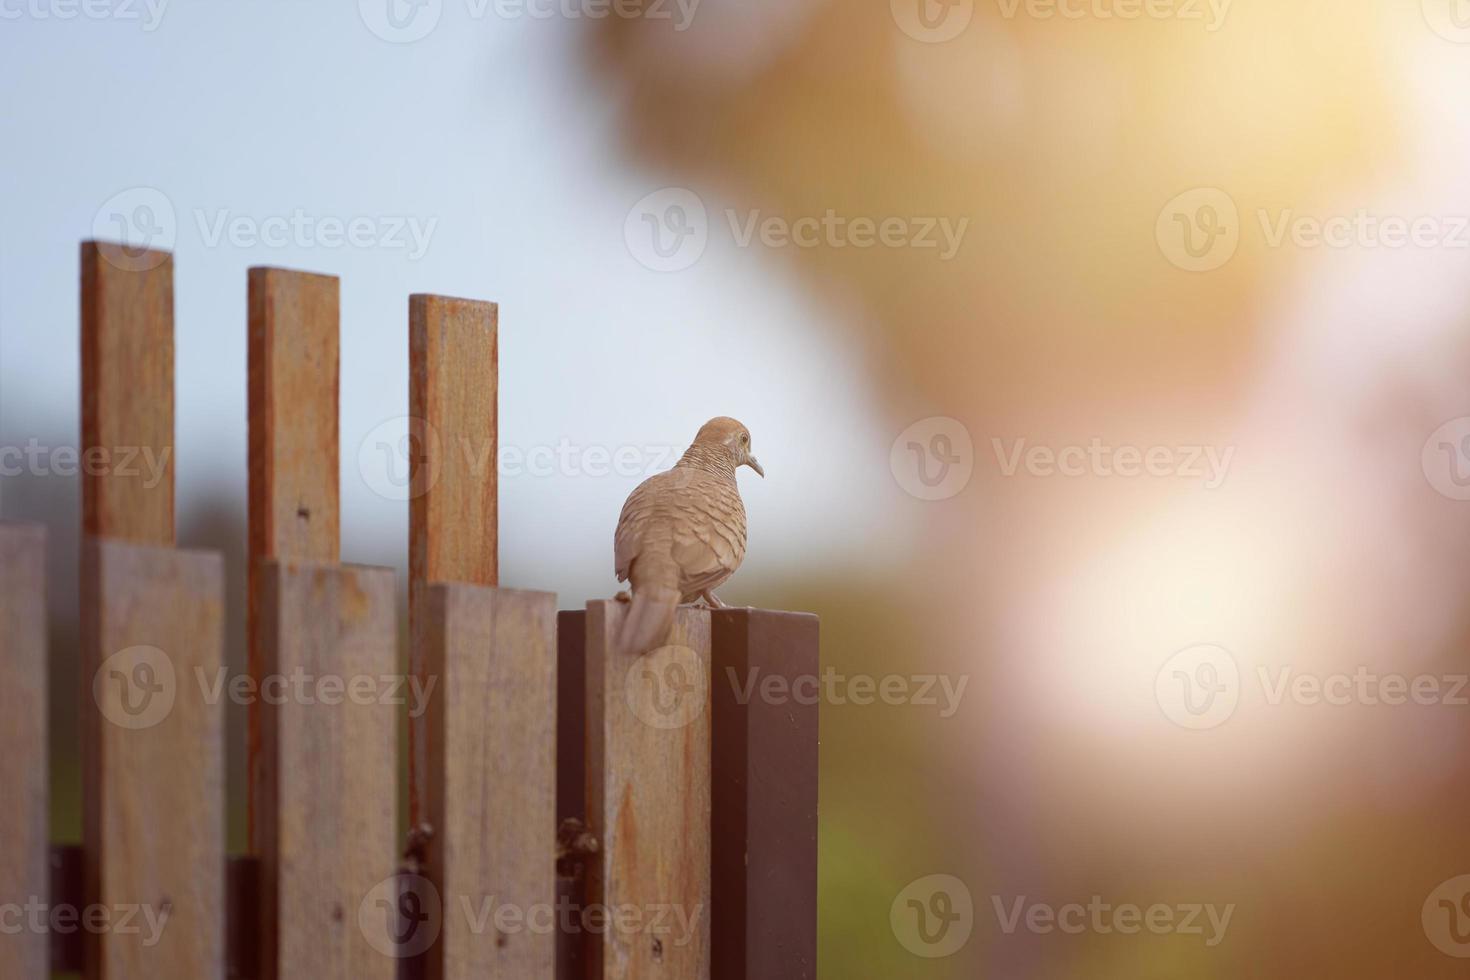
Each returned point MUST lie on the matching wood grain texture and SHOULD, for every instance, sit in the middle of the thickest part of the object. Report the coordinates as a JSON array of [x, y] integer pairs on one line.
[[127, 306], [24, 868], [153, 747], [492, 780], [764, 792], [648, 799], [294, 381], [453, 533], [453, 389], [326, 820]]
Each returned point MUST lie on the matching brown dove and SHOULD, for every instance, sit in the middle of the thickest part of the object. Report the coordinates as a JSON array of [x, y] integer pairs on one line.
[[682, 533]]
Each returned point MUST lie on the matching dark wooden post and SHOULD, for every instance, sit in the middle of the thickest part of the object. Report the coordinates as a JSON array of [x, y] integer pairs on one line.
[[764, 882], [571, 786]]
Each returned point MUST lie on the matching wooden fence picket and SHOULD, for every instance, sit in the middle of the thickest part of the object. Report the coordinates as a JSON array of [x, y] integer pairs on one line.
[[153, 774], [127, 308], [327, 819], [152, 635], [484, 756], [24, 822], [648, 801], [294, 379], [453, 487], [492, 780]]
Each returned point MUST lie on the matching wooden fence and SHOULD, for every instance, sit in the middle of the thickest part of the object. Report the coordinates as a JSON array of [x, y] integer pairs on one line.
[[574, 814]]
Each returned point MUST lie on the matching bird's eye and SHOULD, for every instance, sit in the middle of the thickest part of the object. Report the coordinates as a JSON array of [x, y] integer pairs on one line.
[[744, 440]]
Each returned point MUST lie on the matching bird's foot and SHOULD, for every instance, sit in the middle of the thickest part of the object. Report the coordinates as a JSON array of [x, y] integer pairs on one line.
[[712, 600], [623, 596]]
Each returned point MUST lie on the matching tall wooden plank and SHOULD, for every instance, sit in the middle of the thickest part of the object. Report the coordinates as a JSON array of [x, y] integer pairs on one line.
[[294, 380], [453, 385], [453, 388], [153, 773], [492, 780], [764, 788], [24, 868], [648, 799], [127, 395], [328, 740]]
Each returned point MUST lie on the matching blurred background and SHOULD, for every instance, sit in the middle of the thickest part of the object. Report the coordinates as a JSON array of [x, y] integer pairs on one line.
[[1108, 360]]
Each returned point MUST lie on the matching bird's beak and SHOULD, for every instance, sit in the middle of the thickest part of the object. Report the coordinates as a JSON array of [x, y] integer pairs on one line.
[[755, 464]]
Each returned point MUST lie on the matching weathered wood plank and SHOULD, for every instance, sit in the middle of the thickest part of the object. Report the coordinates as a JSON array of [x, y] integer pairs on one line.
[[648, 799], [453, 388], [328, 741], [764, 794], [24, 870], [153, 744], [492, 780], [294, 380], [127, 396], [453, 532]]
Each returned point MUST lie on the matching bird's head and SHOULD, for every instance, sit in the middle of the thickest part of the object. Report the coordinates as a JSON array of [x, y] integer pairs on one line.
[[732, 436]]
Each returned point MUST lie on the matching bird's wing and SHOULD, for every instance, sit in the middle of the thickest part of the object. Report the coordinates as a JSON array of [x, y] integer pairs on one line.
[[700, 517], [640, 512], [709, 533]]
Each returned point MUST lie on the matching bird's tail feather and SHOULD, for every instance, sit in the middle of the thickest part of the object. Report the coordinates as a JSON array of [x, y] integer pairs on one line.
[[655, 581], [649, 620]]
